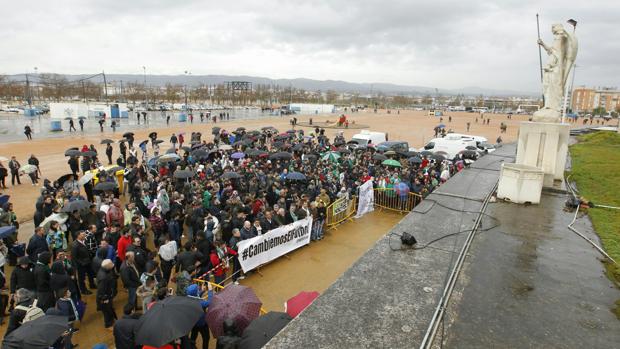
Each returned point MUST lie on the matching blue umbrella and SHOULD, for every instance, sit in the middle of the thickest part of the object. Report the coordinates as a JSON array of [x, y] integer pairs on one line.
[[6, 231], [4, 199], [237, 155], [296, 176], [441, 126]]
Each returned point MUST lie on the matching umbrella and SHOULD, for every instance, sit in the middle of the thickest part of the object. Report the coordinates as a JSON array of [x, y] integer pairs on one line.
[[143, 143], [89, 153], [379, 157], [343, 151], [87, 177], [469, 154], [407, 154], [277, 144], [6, 231], [240, 129], [237, 155], [106, 141], [38, 333], [4, 199], [262, 329], [62, 179], [69, 118], [426, 153], [169, 158], [28, 169], [104, 186], [153, 135], [296, 176], [441, 126], [235, 302], [171, 151], [231, 175], [186, 148], [301, 301], [252, 152], [266, 128], [441, 152], [73, 152], [152, 162], [311, 156], [439, 157], [415, 160], [254, 133], [200, 154], [291, 131], [2, 158], [76, 205], [298, 147], [183, 174], [215, 130], [331, 156], [158, 141], [114, 169], [391, 162], [128, 134], [61, 218], [471, 147], [224, 147], [389, 153], [167, 320], [281, 155]]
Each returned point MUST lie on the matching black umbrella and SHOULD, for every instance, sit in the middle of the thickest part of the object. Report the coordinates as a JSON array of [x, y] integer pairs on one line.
[[153, 135], [231, 175], [253, 133], [158, 141], [469, 154], [104, 186], [72, 152], [76, 205], [379, 157], [107, 141], [255, 152], [239, 129], [168, 320], [89, 153], [291, 131], [438, 157], [171, 151], [281, 156], [266, 128], [183, 174], [296, 176], [262, 329], [62, 179], [471, 147], [298, 146], [277, 144], [128, 134], [37, 334], [186, 148], [311, 156], [216, 130], [415, 160], [406, 154], [343, 151], [200, 154], [426, 153]]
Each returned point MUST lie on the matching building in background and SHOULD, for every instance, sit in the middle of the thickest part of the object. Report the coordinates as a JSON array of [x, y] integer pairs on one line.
[[586, 100]]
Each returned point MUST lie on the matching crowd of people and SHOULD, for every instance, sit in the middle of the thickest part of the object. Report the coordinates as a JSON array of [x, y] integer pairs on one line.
[[174, 218]]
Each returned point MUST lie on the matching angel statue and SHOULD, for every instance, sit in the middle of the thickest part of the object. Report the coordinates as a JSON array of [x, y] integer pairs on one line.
[[562, 54]]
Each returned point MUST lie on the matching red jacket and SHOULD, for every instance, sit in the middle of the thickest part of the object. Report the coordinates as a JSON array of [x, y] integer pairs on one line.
[[218, 270], [121, 247]]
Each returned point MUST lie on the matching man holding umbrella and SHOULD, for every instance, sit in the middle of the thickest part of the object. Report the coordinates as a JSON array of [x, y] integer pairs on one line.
[[74, 165]]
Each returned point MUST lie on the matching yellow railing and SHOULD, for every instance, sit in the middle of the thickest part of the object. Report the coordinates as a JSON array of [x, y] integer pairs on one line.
[[339, 211], [389, 199]]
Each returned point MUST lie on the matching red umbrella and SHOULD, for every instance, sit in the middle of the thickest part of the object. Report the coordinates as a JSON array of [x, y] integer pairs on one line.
[[236, 302], [301, 301]]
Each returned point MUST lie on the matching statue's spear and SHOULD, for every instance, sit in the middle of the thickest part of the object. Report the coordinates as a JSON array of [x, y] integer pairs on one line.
[[540, 56]]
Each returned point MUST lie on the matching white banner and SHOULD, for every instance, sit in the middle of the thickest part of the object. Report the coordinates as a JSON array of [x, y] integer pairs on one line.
[[273, 244], [366, 200]]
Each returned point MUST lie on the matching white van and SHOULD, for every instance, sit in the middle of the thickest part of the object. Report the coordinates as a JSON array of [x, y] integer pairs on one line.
[[365, 138], [452, 144]]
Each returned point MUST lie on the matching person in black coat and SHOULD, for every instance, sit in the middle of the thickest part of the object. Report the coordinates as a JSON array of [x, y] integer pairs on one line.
[[125, 329], [80, 256], [108, 153], [74, 165], [22, 276], [106, 291], [45, 296], [37, 244], [130, 277], [59, 279], [24, 298]]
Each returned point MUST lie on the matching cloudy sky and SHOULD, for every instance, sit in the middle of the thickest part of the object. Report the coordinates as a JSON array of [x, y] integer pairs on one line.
[[444, 44]]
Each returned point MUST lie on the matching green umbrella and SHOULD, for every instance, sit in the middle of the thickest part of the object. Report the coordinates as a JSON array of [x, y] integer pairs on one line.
[[391, 162], [331, 156]]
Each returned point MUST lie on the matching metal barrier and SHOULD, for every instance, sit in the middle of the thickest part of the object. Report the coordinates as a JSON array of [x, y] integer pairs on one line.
[[389, 199], [339, 211]]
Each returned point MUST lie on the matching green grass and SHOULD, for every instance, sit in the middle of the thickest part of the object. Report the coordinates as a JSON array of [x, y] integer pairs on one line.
[[596, 170]]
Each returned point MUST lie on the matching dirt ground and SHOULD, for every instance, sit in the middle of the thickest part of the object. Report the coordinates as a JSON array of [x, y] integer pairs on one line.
[[311, 268], [416, 127]]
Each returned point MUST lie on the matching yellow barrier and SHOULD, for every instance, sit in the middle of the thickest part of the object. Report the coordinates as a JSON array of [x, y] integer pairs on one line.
[[389, 199], [339, 211]]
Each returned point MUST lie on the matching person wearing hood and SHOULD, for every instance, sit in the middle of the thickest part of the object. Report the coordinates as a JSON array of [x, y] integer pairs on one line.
[[22, 276], [24, 298], [45, 295], [196, 291]]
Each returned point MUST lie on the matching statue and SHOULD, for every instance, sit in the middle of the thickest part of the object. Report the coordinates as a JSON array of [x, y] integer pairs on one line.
[[562, 55]]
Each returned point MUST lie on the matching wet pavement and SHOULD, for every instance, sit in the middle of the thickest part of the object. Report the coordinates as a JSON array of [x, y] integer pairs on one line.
[[532, 283]]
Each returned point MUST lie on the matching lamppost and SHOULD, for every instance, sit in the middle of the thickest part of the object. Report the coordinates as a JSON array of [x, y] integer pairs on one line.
[[187, 74], [146, 98]]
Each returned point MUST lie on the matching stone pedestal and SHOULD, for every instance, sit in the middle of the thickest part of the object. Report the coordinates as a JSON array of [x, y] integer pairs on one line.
[[520, 183], [545, 146]]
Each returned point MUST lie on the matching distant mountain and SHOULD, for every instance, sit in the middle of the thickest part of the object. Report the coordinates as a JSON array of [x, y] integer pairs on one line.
[[307, 84]]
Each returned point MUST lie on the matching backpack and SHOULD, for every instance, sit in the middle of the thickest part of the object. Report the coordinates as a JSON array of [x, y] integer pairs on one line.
[[32, 312]]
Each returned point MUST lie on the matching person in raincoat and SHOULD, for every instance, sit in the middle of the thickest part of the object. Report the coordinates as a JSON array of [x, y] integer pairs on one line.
[[201, 327]]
